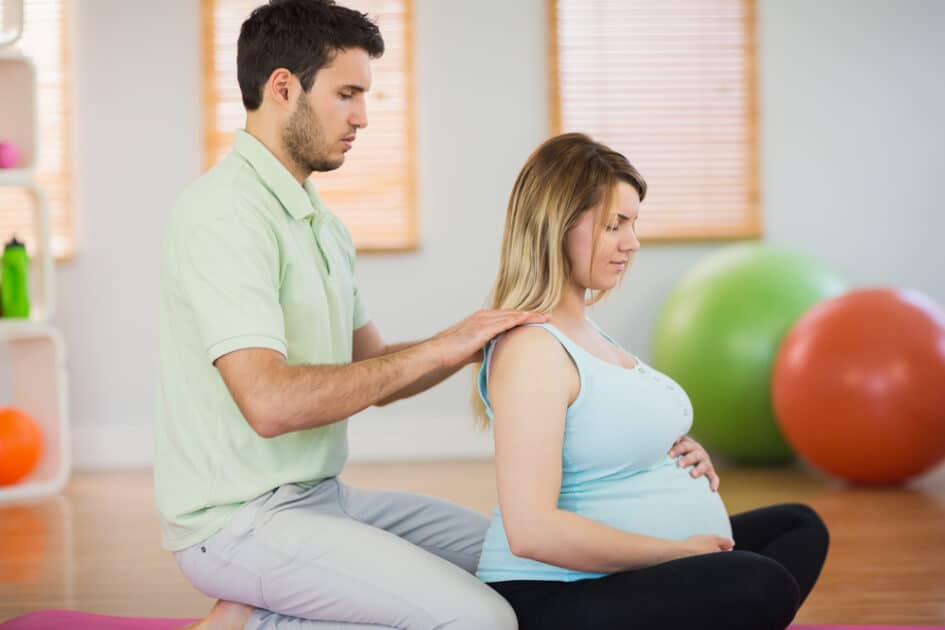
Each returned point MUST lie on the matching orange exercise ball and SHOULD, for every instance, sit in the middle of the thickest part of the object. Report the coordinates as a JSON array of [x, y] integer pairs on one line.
[[21, 445], [859, 385]]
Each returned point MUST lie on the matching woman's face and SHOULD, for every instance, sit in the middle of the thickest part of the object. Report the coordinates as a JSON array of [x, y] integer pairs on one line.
[[615, 247]]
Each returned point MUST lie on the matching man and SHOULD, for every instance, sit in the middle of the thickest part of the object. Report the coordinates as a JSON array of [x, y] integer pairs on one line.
[[266, 349]]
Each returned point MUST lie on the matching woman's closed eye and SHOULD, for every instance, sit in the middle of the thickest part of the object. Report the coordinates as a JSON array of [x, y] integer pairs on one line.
[[614, 225]]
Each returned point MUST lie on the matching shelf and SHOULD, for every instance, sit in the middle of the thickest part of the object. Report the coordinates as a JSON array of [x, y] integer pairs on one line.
[[12, 328], [18, 118], [32, 353], [16, 177], [11, 21], [41, 280], [33, 379]]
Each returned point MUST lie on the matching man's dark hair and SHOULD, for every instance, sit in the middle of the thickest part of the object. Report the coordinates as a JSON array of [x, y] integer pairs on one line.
[[302, 36]]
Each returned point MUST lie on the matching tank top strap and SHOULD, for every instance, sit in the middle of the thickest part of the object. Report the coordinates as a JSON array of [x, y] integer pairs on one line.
[[482, 381], [604, 334], [563, 339], [614, 341]]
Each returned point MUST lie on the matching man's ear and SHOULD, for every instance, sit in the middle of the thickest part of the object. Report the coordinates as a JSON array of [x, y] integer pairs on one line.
[[279, 87]]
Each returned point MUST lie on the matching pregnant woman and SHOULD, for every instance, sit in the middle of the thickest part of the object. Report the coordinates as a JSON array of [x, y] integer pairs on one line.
[[609, 516]]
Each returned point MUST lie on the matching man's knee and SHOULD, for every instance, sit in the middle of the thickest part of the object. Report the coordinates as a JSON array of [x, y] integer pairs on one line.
[[486, 611]]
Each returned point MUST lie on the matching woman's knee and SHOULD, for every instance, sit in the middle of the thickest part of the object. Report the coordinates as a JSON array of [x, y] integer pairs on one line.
[[769, 592], [810, 520]]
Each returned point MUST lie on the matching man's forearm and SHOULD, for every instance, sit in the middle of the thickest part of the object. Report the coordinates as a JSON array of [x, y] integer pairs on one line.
[[307, 396], [276, 398], [423, 383]]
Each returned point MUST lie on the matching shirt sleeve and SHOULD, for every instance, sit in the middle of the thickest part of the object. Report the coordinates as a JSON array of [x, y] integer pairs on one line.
[[230, 276]]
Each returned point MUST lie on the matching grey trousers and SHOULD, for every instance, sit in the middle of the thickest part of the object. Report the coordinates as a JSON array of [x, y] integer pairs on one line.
[[334, 557]]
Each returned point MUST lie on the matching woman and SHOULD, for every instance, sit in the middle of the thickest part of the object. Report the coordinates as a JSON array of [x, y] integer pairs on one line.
[[608, 514]]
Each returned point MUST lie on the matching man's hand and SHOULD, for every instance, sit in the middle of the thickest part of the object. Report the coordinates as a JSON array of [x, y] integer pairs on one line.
[[694, 455], [462, 343]]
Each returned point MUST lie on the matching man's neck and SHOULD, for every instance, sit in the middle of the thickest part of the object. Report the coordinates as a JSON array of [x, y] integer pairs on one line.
[[271, 139]]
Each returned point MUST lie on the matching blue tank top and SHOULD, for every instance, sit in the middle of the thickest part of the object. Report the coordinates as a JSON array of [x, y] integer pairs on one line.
[[614, 463]]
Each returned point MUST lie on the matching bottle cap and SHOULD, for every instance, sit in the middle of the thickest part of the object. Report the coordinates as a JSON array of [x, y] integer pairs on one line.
[[15, 243]]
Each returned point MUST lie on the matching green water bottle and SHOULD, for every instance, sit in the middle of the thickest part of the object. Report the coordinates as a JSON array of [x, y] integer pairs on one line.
[[14, 280]]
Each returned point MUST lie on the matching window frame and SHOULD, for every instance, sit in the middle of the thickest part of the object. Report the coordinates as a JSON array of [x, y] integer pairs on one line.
[[751, 227]]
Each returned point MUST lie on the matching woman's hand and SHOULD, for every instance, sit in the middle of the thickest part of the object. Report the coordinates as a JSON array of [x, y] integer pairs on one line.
[[706, 543], [694, 455]]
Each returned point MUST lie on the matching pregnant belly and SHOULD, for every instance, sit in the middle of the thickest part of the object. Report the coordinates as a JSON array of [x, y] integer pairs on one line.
[[664, 501]]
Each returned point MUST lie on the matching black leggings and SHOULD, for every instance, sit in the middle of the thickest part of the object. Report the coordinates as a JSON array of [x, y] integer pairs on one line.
[[779, 551]]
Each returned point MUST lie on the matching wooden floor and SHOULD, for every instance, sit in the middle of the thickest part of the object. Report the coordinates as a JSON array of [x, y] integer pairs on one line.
[[96, 547]]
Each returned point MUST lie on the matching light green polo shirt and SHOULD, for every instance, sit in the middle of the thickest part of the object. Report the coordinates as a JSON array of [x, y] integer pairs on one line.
[[251, 260]]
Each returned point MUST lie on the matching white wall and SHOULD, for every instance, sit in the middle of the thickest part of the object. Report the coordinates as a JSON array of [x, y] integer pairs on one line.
[[138, 143], [852, 130]]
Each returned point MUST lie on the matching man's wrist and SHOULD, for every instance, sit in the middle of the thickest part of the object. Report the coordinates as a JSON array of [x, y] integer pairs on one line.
[[431, 354]]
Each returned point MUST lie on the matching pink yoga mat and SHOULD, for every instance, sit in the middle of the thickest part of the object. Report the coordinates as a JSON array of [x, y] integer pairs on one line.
[[74, 620]]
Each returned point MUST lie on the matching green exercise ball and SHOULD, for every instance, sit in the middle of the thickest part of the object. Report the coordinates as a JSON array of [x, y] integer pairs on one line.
[[718, 335]]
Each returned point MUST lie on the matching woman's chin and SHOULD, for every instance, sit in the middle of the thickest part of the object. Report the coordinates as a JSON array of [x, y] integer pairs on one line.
[[606, 285]]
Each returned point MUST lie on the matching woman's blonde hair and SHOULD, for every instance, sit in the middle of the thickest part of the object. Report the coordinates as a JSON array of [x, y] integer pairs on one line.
[[566, 176]]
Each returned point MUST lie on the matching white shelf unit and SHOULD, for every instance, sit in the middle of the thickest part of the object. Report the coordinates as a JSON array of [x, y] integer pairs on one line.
[[32, 352], [35, 382], [18, 113], [11, 21], [42, 284]]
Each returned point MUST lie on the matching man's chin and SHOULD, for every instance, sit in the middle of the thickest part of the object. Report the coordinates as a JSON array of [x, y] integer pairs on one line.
[[328, 165]]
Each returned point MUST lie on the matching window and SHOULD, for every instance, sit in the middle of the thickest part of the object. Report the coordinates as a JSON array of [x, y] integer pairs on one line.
[[45, 41], [671, 85], [374, 192]]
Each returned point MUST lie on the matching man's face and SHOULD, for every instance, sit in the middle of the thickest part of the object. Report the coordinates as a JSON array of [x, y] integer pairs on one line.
[[323, 126]]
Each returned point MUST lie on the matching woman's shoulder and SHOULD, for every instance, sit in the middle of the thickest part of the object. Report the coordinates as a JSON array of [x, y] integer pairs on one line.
[[531, 360], [533, 347]]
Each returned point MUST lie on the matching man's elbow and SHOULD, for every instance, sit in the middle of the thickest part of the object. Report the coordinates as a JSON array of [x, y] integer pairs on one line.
[[262, 424], [262, 417], [386, 401], [270, 420]]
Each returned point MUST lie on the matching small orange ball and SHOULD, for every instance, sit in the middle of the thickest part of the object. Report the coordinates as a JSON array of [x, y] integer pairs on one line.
[[21, 445]]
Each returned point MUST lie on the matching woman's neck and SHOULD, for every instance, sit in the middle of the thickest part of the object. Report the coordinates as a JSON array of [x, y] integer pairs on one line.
[[570, 311]]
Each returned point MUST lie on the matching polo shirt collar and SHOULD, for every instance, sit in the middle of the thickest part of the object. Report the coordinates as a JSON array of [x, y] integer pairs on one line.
[[299, 201]]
